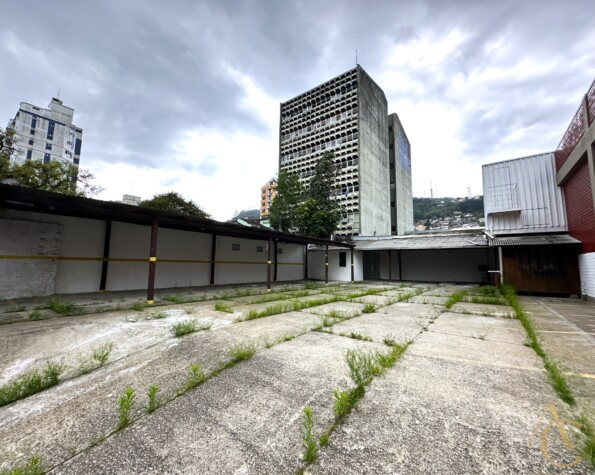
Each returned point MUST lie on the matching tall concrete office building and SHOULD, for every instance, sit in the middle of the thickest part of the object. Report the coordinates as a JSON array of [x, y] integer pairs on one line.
[[46, 134], [401, 197], [347, 116]]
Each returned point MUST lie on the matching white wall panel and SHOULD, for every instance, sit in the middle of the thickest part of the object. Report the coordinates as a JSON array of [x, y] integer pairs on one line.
[[521, 196]]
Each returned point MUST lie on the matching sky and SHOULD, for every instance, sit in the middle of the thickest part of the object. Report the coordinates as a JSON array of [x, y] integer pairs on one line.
[[184, 95]]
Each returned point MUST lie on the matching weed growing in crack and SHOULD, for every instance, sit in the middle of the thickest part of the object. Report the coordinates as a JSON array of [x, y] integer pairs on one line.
[[125, 405], [389, 340], [36, 315], [32, 467], [64, 307], [195, 377], [31, 382], [221, 307], [153, 399], [138, 306], [311, 450], [359, 336], [454, 298], [156, 315], [101, 352], [180, 329]]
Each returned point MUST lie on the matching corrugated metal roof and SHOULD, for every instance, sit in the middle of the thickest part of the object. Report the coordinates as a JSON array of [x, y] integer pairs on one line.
[[443, 241], [529, 240]]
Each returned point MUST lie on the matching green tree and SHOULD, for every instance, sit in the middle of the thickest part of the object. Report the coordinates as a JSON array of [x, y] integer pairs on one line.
[[318, 215], [283, 210], [173, 202], [7, 150]]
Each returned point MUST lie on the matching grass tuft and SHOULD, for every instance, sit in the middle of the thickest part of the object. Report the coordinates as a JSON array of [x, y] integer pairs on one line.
[[14, 308], [311, 452], [175, 298], [369, 308], [156, 315], [242, 352], [36, 315], [32, 467], [101, 353], [125, 405], [31, 382], [153, 399], [64, 307], [138, 306]]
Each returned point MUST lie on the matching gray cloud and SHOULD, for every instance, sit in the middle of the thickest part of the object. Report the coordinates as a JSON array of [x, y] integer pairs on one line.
[[142, 73]]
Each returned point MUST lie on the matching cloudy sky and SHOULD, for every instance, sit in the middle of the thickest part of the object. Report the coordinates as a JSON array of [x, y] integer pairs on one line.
[[184, 95]]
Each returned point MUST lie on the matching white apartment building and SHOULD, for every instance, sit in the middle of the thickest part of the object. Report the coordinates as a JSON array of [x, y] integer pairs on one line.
[[46, 134]]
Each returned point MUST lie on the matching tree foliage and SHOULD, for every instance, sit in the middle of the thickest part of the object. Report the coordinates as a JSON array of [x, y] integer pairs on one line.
[[55, 176], [435, 208], [312, 212], [283, 210], [173, 202]]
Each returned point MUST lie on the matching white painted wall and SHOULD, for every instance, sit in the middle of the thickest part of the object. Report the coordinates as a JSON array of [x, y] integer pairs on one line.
[[343, 274], [288, 260], [249, 265], [586, 265], [448, 265]]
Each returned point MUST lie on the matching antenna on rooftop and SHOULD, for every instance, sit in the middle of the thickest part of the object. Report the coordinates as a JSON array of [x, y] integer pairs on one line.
[[58, 96], [356, 63], [431, 191]]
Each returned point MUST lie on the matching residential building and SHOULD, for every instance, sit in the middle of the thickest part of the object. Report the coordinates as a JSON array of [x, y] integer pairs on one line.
[[46, 134], [575, 167], [526, 221], [348, 117], [401, 197], [267, 194]]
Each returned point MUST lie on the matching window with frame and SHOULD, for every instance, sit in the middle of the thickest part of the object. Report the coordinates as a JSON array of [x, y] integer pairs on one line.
[[342, 259], [259, 249], [235, 247]]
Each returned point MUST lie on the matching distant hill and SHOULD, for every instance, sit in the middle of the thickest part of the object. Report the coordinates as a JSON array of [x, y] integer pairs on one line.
[[247, 214], [436, 208]]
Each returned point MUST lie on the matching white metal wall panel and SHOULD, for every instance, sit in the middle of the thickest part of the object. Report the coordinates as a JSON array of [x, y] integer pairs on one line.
[[586, 265], [521, 196]]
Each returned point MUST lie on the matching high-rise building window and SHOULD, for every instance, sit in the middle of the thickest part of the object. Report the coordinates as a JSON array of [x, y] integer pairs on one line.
[[30, 141], [33, 122], [51, 126], [29, 153], [46, 158], [48, 146]]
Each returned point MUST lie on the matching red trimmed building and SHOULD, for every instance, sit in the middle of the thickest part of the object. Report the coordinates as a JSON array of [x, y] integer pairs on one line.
[[575, 166]]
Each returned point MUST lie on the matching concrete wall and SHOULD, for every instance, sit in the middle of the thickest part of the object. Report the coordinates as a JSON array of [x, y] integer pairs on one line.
[[448, 265], [343, 274], [586, 264], [374, 177], [401, 187], [28, 278]]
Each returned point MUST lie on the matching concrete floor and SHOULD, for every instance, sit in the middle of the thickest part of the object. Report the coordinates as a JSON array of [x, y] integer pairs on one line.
[[466, 396]]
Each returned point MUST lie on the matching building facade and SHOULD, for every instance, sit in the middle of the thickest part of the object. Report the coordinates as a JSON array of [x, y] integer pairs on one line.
[[267, 194], [46, 134], [575, 166], [526, 221], [401, 197], [348, 117]]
